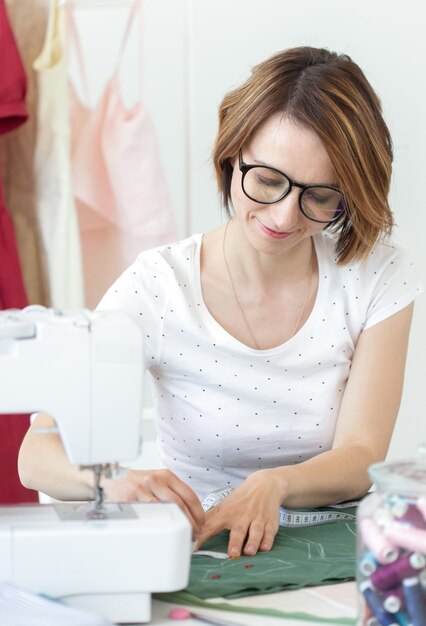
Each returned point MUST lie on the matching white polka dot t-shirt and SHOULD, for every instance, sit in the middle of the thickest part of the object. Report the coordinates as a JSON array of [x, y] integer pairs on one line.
[[224, 410]]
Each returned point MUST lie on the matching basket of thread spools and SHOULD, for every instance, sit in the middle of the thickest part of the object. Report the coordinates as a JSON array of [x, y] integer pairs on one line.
[[391, 575]]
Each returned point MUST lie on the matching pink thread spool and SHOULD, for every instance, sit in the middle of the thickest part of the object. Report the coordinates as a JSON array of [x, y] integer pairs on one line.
[[374, 538], [412, 539], [421, 505]]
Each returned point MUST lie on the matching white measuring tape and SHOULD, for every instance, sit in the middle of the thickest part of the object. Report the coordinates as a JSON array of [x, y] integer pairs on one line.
[[291, 517]]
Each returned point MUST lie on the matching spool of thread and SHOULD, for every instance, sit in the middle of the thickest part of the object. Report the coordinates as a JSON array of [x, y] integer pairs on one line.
[[421, 505], [383, 515], [402, 618], [372, 621], [375, 603], [375, 540], [393, 600], [408, 513], [412, 539], [391, 575], [416, 606], [367, 564]]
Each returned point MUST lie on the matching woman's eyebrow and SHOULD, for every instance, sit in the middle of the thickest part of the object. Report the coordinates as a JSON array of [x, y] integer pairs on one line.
[[259, 162]]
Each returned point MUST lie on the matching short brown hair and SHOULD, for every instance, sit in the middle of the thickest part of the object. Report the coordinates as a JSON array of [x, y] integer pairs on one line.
[[328, 93]]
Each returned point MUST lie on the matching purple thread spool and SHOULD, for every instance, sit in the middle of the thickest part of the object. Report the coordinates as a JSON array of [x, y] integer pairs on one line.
[[393, 600], [391, 575], [416, 606], [374, 602], [422, 578], [407, 513], [421, 505]]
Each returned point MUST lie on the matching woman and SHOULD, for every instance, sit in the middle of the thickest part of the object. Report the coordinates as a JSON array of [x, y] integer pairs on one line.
[[277, 342]]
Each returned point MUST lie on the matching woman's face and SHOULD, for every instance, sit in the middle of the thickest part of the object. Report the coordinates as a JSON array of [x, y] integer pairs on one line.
[[299, 153]]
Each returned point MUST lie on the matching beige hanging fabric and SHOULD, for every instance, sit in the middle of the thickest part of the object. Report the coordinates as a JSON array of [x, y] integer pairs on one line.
[[56, 208], [17, 154], [118, 179]]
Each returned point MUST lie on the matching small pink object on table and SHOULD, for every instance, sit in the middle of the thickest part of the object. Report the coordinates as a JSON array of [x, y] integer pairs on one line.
[[179, 613]]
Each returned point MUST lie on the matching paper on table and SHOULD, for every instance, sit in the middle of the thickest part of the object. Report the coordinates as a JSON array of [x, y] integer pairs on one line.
[[21, 608]]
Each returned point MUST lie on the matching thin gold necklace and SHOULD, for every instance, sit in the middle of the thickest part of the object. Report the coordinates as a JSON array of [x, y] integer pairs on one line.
[[237, 300]]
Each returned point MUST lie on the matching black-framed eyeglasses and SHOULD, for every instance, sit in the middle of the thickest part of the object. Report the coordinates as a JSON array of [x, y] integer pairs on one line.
[[267, 185]]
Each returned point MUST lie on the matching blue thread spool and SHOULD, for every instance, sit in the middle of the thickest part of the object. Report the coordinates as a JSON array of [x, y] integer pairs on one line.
[[414, 599], [402, 618], [393, 600], [374, 602], [367, 564]]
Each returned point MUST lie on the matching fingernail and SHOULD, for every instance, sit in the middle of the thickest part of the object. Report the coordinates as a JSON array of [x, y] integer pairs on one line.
[[264, 546], [250, 549], [234, 551]]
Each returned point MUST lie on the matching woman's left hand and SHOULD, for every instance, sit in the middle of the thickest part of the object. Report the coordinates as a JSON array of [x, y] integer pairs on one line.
[[250, 512]]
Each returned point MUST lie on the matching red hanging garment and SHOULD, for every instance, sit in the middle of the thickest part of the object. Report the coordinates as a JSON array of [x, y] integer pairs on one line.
[[13, 112]]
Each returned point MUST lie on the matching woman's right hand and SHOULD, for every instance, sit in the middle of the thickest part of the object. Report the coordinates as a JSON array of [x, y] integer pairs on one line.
[[152, 486]]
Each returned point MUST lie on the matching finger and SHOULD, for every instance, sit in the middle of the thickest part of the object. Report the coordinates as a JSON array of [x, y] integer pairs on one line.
[[164, 492], [268, 537], [191, 500], [255, 536], [237, 537]]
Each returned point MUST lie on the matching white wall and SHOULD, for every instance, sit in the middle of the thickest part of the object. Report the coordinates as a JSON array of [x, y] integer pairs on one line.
[[196, 50]]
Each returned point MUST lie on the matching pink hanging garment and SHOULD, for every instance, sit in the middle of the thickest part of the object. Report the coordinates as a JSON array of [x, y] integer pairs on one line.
[[13, 112], [118, 180]]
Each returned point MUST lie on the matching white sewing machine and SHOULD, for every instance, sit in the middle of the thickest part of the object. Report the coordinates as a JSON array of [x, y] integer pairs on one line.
[[85, 370]]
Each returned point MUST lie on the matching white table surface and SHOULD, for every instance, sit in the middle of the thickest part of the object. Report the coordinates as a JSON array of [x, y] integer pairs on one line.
[[326, 601]]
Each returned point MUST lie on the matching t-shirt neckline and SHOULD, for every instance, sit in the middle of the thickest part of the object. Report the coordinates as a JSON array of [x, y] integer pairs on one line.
[[215, 326]]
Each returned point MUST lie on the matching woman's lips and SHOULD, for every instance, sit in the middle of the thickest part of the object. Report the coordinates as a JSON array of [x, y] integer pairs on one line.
[[273, 233]]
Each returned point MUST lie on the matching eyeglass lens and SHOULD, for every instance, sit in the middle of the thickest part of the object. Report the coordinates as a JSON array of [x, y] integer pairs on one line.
[[265, 185]]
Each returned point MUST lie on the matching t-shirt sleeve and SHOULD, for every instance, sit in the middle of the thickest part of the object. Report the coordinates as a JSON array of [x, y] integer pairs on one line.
[[142, 292], [390, 281]]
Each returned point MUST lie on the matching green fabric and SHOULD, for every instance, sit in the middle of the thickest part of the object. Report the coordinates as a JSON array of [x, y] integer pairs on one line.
[[185, 598], [314, 555], [301, 557]]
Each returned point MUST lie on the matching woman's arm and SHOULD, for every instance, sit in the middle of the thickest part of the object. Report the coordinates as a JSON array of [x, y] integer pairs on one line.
[[364, 428], [43, 466], [366, 419]]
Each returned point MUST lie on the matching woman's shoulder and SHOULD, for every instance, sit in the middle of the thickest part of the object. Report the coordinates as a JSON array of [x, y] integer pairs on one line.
[[149, 277], [167, 257], [385, 254], [375, 287]]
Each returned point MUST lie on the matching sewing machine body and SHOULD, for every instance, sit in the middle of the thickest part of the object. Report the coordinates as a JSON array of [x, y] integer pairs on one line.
[[85, 369], [109, 566]]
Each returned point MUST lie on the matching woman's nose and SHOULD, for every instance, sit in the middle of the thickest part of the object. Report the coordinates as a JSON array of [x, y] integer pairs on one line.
[[286, 213]]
